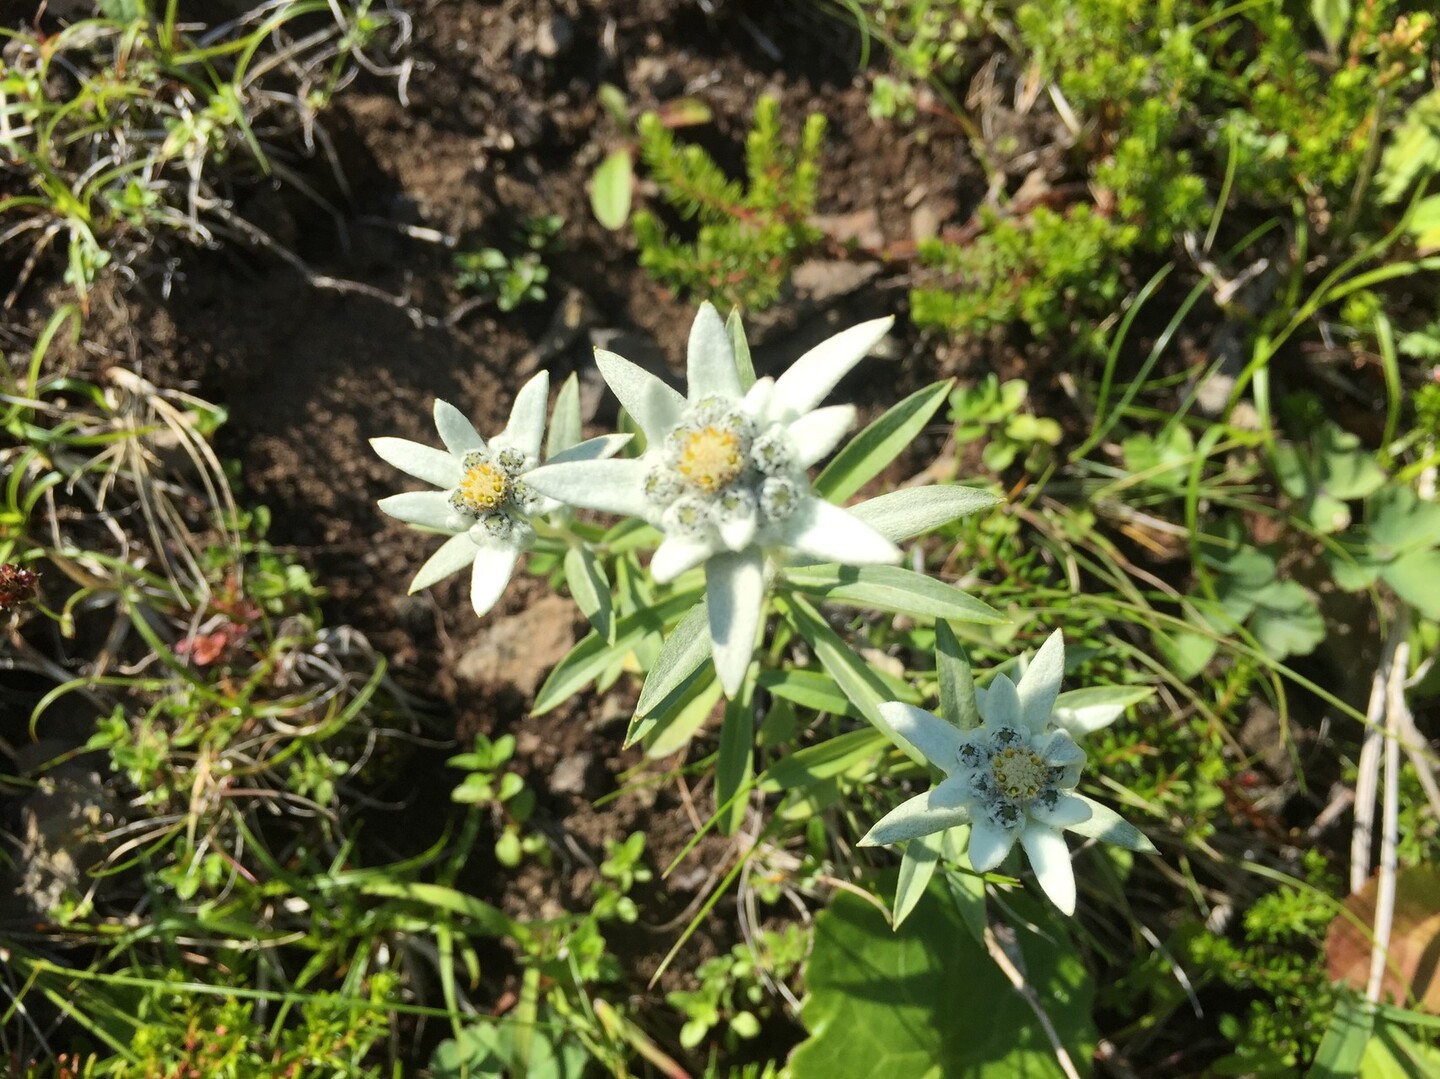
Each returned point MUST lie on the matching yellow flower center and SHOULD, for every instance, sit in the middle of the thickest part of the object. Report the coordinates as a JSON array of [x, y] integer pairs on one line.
[[1019, 772], [484, 487], [710, 459]]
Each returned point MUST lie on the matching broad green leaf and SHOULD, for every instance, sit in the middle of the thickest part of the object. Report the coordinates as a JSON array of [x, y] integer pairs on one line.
[[1084, 711], [590, 658], [611, 189], [1286, 620], [967, 890], [591, 588], [891, 588], [1331, 17], [736, 764], [917, 866], [814, 764], [864, 456], [1186, 653], [1343, 1046], [912, 510], [1398, 520], [1415, 577], [743, 363], [957, 682], [1425, 223], [1413, 150], [1395, 1054], [926, 1002]]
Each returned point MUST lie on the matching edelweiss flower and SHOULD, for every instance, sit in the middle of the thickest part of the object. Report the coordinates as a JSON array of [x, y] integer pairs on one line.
[[485, 502], [724, 474], [1011, 778]]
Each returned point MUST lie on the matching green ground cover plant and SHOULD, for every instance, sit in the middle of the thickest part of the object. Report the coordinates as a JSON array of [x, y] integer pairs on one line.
[[1166, 593]]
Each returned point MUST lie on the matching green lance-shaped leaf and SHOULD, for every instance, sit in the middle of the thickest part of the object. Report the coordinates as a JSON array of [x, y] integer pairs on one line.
[[736, 765], [566, 426], [1109, 827], [670, 731], [805, 768], [894, 589], [861, 683], [591, 588], [809, 689], [743, 362], [682, 657], [957, 682], [867, 454], [590, 658], [912, 510], [917, 866]]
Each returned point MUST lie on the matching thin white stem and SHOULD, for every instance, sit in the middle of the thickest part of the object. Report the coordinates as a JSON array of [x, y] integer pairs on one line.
[[1390, 811], [1367, 780]]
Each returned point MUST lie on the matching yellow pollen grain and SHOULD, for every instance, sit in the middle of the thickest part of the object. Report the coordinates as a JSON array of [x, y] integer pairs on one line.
[[711, 459], [484, 487]]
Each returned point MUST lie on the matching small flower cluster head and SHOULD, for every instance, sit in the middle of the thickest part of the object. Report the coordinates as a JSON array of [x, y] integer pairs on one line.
[[484, 504], [1011, 779], [723, 475], [720, 479]]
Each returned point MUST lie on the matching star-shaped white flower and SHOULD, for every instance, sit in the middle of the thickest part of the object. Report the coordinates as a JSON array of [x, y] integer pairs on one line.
[[484, 501], [724, 474], [1012, 778]]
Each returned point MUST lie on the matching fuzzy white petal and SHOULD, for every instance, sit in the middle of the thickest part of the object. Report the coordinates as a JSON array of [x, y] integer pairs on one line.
[[1050, 857], [609, 486], [429, 509], [1108, 826], [1067, 811], [757, 400], [676, 554], [1040, 684], [989, 843], [458, 433], [739, 532], [816, 433], [1001, 706], [526, 429], [423, 462], [735, 596], [938, 742], [828, 534], [494, 563], [452, 556], [651, 404], [811, 378], [710, 358], [1059, 750], [933, 811], [594, 449]]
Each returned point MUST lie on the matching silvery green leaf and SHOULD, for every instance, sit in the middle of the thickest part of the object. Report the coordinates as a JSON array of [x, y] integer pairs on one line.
[[591, 588], [744, 365], [684, 652], [917, 866], [891, 588], [957, 682], [880, 443], [735, 765], [912, 510], [1109, 827], [566, 426], [1084, 711]]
